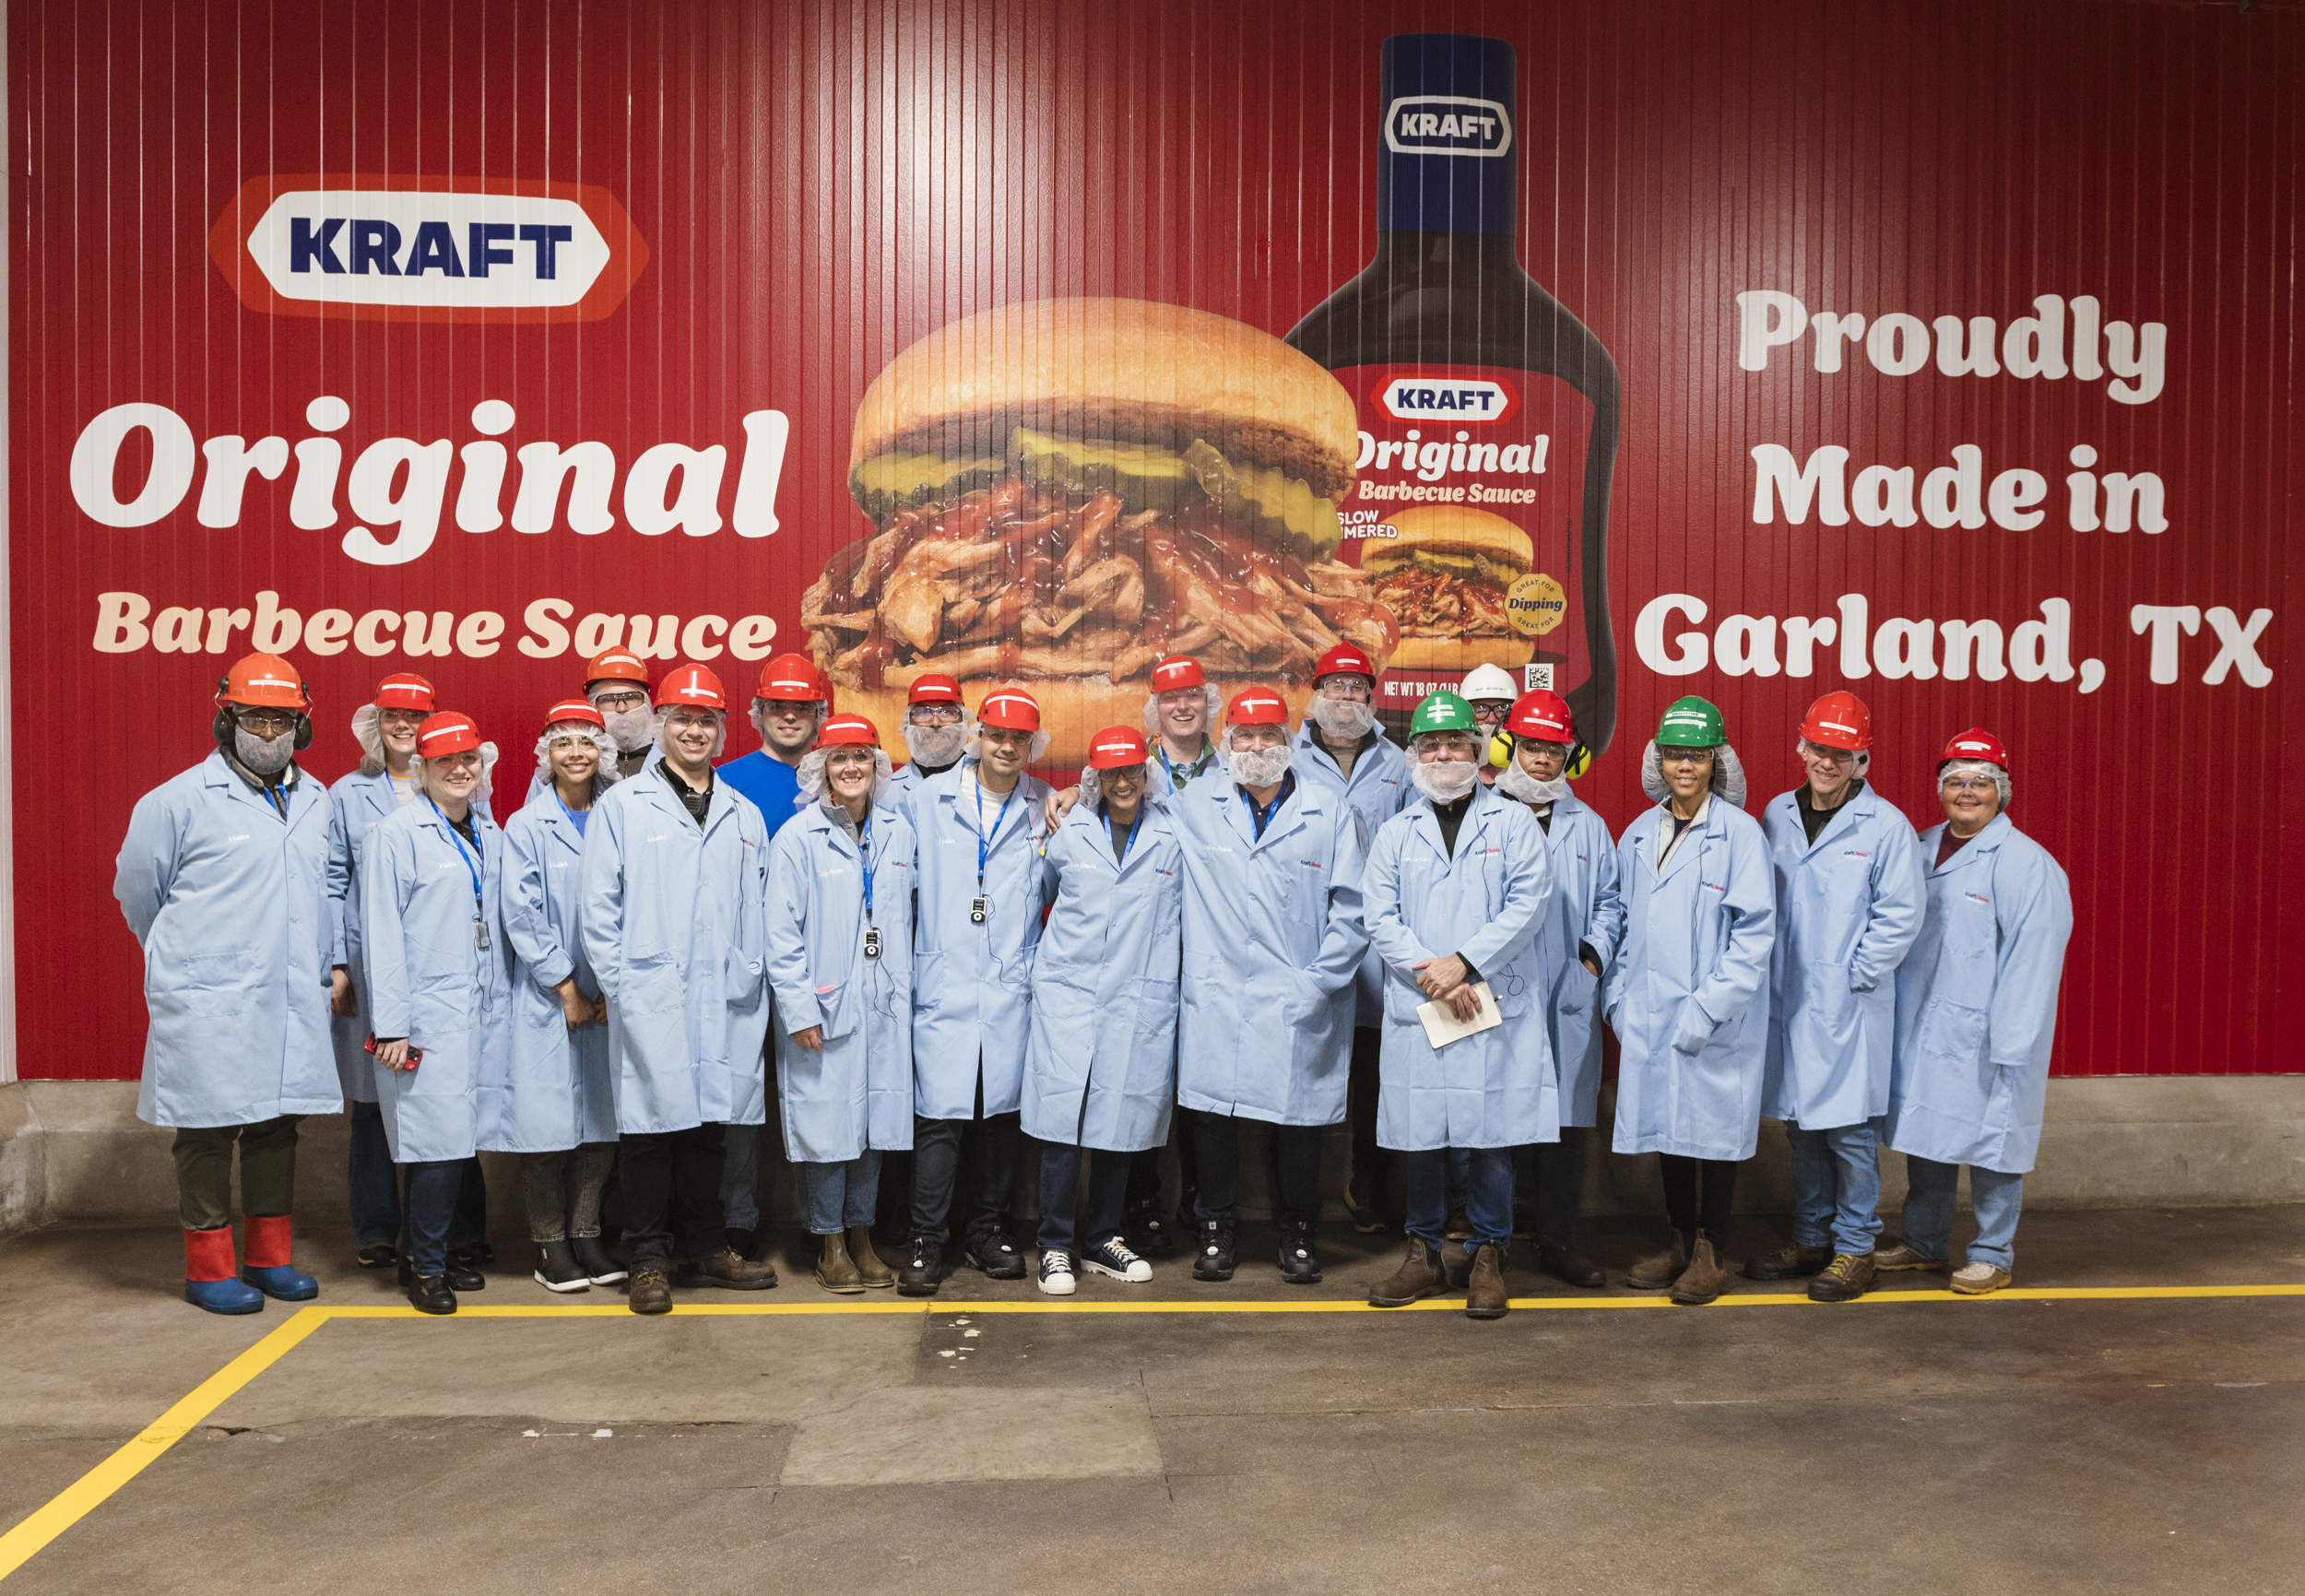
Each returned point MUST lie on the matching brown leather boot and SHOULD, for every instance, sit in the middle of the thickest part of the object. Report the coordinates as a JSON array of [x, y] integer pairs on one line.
[[1419, 1276], [651, 1289], [731, 1268], [1659, 1271], [1484, 1289], [870, 1271], [1794, 1263], [1846, 1279], [835, 1270], [1704, 1279]]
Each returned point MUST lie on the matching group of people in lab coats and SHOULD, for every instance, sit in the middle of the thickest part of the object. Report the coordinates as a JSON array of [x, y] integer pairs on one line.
[[1210, 928]]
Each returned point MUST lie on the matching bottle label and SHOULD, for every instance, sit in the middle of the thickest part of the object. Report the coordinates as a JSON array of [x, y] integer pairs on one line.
[[1466, 514]]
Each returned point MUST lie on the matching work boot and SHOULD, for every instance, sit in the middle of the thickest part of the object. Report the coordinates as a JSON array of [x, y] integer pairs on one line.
[[556, 1269], [1658, 1272], [1484, 1289], [923, 1268], [1456, 1265], [209, 1279], [430, 1294], [993, 1252], [1214, 1259], [1360, 1200], [651, 1291], [835, 1270], [1299, 1264], [599, 1267], [730, 1268], [875, 1274], [1146, 1233], [1794, 1263], [458, 1276], [473, 1255], [761, 1243], [1901, 1255], [1569, 1267], [1846, 1279], [1418, 1277], [1704, 1279], [377, 1255], [264, 1260], [1979, 1278]]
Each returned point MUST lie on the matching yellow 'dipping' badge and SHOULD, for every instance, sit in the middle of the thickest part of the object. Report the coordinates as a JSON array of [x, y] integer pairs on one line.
[[1535, 604]]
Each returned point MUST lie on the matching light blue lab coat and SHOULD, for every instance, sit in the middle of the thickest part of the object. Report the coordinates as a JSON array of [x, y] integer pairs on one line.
[[673, 918], [550, 1088], [856, 1095], [1101, 1068], [1379, 791], [1488, 901], [1977, 1003], [1847, 907], [428, 979], [1586, 907], [233, 907], [1688, 995], [356, 804], [973, 985], [1273, 940]]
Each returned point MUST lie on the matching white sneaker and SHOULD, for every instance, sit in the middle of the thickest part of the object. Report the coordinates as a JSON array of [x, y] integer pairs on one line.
[[1113, 1258], [1976, 1279], [1056, 1273]]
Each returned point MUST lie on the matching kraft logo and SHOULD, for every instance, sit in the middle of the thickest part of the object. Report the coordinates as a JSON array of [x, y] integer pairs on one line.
[[1459, 400], [452, 249], [1448, 124]]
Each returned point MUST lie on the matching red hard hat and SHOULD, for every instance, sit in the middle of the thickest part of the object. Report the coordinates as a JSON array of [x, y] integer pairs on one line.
[[935, 690], [792, 677], [1012, 707], [263, 681], [404, 690], [1839, 720], [1177, 670], [1543, 716], [848, 731], [1344, 660], [446, 733], [616, 665], [574, 709], [691, 686], [1116, 747], [1975, 743], [1257, 706]]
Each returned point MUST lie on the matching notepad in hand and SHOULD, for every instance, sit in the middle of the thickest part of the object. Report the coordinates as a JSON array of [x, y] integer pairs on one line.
[[1442, 1027]]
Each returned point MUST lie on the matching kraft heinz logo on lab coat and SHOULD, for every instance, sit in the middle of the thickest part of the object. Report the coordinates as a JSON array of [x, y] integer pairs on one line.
[[449, 248]]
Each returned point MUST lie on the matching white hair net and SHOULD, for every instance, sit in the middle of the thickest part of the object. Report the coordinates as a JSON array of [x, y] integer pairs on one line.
[[416, 767], [970, 751], [1153, 708], [604, 775], [1978, 767], [720, 738], [813, 778], [368, 729], [1157, 783], [1728, 775]]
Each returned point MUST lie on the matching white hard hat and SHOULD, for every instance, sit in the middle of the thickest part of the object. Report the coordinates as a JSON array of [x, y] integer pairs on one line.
[[1488, 681]]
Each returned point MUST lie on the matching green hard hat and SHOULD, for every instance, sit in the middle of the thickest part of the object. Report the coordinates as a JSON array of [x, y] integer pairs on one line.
[[1443, 711], [1691, 722]]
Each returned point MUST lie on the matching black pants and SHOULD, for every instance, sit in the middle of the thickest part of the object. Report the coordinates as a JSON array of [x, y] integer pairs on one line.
[[671, 1182], [1297, 1155], [1360, 1094], [204, 1171], [1556, 1185], [937, 1151], [1060, 1185], [1699, 1193]]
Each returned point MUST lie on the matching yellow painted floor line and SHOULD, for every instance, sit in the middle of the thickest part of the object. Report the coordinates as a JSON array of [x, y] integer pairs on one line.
[[93, 1488]]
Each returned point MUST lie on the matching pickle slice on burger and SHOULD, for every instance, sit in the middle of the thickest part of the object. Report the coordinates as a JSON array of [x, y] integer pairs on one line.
[[1063, 492], [1443, 575]]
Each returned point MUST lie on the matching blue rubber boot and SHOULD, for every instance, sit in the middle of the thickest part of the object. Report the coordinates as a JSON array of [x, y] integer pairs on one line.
[[208, 1281], [288, 1284], [264, 1264], [223, 1295]]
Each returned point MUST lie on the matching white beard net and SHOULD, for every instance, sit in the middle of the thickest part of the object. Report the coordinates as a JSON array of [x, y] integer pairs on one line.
[[604, 775], [1974, 767], [629, 730], [1728, 775], [1516, 783], [1344, 718], [812, 784], [1445, 780], [939, 745], [1262, 766], [1153, 709], [266, 756], [660, 717]]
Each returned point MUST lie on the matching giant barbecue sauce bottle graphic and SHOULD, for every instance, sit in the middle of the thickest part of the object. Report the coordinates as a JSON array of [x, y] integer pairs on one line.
[[1488, 413]]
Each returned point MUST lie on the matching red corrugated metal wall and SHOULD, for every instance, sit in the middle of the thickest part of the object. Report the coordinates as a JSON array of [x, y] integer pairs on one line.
[[820, 184]]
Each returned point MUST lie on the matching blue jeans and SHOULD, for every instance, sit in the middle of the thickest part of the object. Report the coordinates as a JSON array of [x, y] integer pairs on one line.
[[375, 1185], [1996, 1197], [740, 1177], [1837, 1185], [1486, 1175], [1060, 1195], [431, 1211], [835, 1197]]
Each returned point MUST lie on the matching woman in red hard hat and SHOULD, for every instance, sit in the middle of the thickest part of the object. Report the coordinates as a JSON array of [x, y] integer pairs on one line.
[[224, 878]]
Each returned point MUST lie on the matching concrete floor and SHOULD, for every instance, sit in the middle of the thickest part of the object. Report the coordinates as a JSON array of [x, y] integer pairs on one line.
[[1980, 1446]]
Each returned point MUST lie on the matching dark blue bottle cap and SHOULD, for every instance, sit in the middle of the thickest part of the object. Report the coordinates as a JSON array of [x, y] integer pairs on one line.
[[1447, 145]]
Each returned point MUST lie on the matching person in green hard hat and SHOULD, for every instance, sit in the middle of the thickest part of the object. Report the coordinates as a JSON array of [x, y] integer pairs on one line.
[[1455, 890], [1688, 995]]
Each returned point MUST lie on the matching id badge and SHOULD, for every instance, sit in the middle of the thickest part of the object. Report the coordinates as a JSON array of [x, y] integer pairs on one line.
[[481, 933], [873, 943], [975, 911]]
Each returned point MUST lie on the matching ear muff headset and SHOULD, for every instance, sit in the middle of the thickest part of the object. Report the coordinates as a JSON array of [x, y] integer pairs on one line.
[[222, 727]]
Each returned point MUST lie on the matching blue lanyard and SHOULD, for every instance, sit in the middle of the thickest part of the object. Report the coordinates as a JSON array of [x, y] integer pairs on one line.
[[1259, 818], [470, 869], [983, 842], [864, 857], [1134, 827]]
